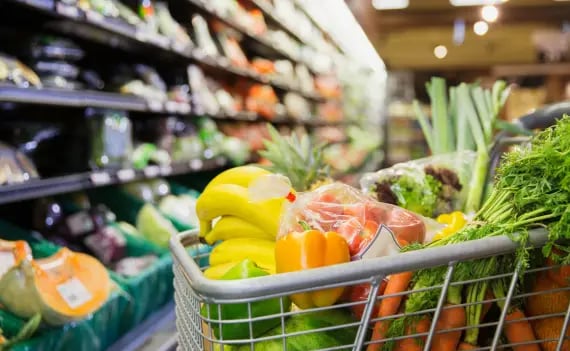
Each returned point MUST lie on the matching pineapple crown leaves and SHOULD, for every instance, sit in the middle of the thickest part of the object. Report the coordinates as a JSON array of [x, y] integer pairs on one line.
[[295, 157]]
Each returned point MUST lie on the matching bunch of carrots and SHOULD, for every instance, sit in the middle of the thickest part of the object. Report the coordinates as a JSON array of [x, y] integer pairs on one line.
[[531, 190], [458, 323]]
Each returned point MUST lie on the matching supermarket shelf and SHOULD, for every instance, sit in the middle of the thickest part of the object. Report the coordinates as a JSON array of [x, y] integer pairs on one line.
[[318, 26], [270, 14], [88, 98], [75, 182], [206, 8], [93, 26], [153, 325]]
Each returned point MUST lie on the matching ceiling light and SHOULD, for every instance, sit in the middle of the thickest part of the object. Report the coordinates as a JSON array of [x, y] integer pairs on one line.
[[390, 4], [476, 2], [480, 27], [440, 51], [490, 13]]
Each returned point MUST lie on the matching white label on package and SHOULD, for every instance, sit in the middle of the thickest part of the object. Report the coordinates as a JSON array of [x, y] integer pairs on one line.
[[383, 244], [7, 261], [74, 293]]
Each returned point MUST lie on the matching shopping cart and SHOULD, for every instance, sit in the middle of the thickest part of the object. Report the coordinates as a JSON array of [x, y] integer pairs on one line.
[[195, 324]]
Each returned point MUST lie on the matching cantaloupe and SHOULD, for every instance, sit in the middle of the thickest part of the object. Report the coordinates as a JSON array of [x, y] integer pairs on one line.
[[65, 287], [11, 252]]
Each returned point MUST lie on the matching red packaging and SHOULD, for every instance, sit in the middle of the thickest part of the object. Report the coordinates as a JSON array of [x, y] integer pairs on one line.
[[371, 228]]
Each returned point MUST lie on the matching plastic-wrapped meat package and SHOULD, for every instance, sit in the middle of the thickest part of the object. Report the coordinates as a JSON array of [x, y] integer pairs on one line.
[[371, 229]]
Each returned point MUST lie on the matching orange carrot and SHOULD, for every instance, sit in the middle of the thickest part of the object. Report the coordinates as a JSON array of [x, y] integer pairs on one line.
[[414, 343], [464, 346], [519, 331], [451, 317], [389, 306]]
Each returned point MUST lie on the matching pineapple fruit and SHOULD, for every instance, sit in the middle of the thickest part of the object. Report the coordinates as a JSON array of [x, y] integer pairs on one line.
[[297, 158]]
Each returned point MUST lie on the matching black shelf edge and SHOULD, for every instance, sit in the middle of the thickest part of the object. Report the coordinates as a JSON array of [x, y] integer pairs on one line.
[[72, 98], [160, 42], [75, 182], [139, 335]]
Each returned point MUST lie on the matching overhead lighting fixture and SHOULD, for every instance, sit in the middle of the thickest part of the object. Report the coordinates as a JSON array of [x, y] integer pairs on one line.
[[440, 51], [481, 28], [476, 2], [490, 13], [390, 4]]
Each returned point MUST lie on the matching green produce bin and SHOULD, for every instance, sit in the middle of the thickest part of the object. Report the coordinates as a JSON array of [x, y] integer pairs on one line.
[[96, 332], [126, 206]]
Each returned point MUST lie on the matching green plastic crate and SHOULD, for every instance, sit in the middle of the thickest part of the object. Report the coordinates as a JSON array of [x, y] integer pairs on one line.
[[126, 206], [96, 332]]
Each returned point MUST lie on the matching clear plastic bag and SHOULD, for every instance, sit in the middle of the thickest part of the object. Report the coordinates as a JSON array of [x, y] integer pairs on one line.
[[429, 186], [371, 229]]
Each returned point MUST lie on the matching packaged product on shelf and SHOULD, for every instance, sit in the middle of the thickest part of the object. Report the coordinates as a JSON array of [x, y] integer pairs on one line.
[[371, 229], [232, 50], [263, 66], [14, 72], [15, 167], [170, 28], [305, 79], [262, 100], [46, 47], [128, 15], [204, 101], [330, 111], [112, 143], [429, 186], [252, 133], [285, 72], [141, 80], [62, 288], [297, 107], [203, 37], [328, 86]]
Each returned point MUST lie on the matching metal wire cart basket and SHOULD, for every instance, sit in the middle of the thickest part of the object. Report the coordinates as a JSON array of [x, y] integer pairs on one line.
[[194, 292]]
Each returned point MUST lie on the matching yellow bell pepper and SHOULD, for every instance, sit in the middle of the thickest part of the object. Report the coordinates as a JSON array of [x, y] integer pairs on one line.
[[455, 221], [311, 249]]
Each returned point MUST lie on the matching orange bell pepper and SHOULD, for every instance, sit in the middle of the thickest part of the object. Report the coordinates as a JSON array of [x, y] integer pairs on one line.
[[311, 249]]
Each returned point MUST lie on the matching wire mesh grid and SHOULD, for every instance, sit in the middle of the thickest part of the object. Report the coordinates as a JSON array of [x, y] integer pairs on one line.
[[204, 313]]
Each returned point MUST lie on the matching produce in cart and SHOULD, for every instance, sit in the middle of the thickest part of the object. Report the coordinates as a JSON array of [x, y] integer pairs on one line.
[[429, 186], [296, 158], [239, 213], [530, 191]]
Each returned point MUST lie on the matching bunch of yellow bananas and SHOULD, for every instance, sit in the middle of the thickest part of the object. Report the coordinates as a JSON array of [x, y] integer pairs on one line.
[[247, 228]]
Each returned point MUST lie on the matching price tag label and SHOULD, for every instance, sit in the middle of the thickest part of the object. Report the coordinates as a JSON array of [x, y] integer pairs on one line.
[[158, 40], [171, 106], [94, 17], [151, 171], [196, 164], [7, 261], [142, 35], [126, 175], [184, 108], [165, 170], [100, 178], [67, 10], [74, 293], [155, 106]]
